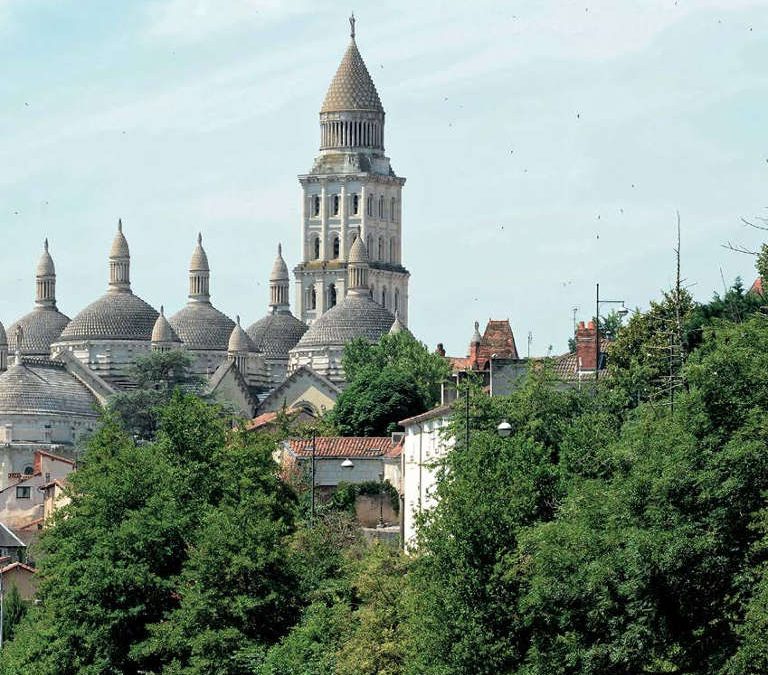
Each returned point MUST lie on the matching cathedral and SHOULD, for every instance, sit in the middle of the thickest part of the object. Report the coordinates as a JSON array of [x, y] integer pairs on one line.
[[55, 372]]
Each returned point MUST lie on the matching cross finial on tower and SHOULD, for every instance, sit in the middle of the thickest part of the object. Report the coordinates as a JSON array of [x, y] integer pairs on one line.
[[46, 245], [352, 26], [119, 224], [279, 249], [199, 237]]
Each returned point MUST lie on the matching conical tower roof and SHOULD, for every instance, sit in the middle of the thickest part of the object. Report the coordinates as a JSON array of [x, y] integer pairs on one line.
[[279, 269], [352, 87], [162, 332], [45, 267], [199, 260], [239, 340], [119, 243]]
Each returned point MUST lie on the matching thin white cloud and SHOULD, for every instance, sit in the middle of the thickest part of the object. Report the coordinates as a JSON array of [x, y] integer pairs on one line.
[[191, 20]]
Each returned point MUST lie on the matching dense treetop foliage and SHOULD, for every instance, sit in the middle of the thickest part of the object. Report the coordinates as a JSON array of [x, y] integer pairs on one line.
[[386, 382], [621, 528]]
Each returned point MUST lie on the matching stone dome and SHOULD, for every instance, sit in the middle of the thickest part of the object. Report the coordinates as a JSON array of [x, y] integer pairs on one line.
[[358, 316], [239, 341], [276, 334], [201, 326], [40, 329], [114, 316], [45, 266], [44, 387], [352, 87], [162, 331]]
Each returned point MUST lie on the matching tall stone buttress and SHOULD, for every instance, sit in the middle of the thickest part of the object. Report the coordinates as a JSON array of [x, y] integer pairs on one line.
[[351, 189]]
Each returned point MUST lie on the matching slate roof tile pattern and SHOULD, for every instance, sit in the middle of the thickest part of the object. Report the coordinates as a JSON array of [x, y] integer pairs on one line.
[[352, 87], [276, 334], [357, 316], [201, 326], [41, 327], [40, 387], [114, 316]]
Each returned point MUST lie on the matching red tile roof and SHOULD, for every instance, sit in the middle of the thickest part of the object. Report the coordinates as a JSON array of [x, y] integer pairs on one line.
[[757, 287], [261, 420], [344, 446], [498, 339]]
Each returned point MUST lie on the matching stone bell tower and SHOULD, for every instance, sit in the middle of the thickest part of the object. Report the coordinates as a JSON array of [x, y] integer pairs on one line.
[[351, 191]]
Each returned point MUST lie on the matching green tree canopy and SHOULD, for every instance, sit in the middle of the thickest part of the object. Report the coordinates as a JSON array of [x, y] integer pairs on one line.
[[386, 382]]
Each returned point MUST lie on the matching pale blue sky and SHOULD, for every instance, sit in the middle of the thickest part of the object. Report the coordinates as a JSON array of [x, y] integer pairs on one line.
[[547, 145]]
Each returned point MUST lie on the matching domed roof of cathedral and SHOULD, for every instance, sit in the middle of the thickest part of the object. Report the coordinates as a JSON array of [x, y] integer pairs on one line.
[[44, 387], [114, 316], [352, 87], [119, 244], [202, 327], [357, 316], [276, 334], [162, 331], [239, 341], [45, 266], [279, 268], [40, 329]]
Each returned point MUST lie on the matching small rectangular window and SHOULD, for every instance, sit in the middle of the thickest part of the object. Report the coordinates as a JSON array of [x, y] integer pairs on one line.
[[23, 492]]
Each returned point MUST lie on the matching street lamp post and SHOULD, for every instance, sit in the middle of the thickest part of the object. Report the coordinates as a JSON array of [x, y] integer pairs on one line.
[[622, 311]]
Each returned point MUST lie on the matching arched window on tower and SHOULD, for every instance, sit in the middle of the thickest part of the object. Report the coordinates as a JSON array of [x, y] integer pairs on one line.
[[332, 295], [355, 204], [370, 205], [392, 210], [381, 248], [392, 250], [369, 245], [316, 248], [384, 297], [316, 205], [381, 206], [335, 205], [336, 245], [312, 298], [397, 300]]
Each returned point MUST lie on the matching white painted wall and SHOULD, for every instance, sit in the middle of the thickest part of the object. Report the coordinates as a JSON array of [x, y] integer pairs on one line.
[[424, 444]]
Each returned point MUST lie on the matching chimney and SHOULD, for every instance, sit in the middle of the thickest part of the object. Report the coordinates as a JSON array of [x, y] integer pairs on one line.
[[585, 346]]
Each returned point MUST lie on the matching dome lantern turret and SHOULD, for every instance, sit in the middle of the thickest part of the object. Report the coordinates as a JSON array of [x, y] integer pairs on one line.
[[45, 280], [357, 268], [119, 262], [199, 274], [352, 117], [279, 282]]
